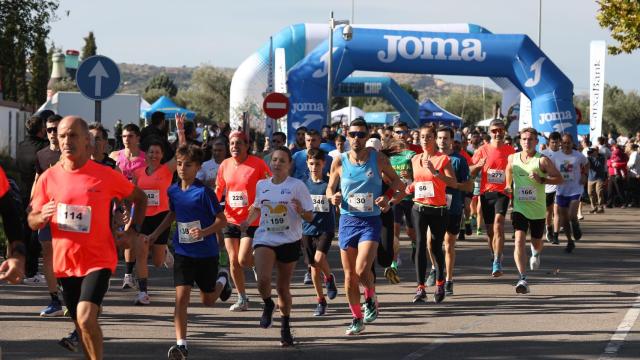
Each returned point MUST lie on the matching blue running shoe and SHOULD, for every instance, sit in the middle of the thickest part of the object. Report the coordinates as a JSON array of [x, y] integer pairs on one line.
[[54, 309], [497, 269]]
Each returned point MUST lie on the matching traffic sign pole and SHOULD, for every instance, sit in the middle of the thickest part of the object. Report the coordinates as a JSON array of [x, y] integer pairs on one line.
[[98, 116], [98, 77]]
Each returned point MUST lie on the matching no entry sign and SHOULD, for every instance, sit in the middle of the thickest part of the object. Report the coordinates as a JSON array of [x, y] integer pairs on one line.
[[275, 105]]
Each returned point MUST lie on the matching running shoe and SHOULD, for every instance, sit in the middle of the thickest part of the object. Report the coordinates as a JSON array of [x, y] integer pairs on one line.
[[242, 304], [356, 327], [497, 269], [168, 260], [549, 236], [421, 295], [286, 339], [54, 309], [570, 246], [36, 280], [431, 280], [70, 342], [581, 217], [534, 262], [332, 290], [461, 236], [575, 230], [467, 228], [321, 309], [307, 278], [439, 294], [600, 210], [370, 310], [266, 320], [177, 352], [479, 232], [448, 288], [593, 211], [129, 282], [522, 287], [226, 290], [142, 299], [554, 239], [392, 275]]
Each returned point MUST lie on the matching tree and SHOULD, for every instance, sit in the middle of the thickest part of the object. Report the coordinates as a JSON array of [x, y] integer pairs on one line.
[[163, 82], [39, 72], [208, 94], [154, 94], [409, 89], [621, 111], [90, 48], [622, 17]]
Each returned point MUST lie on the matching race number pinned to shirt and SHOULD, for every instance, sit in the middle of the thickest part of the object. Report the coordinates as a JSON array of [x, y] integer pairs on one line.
[[276, 217], [360, 202], [320, 203], [495, 176], [527, 193], [74, 218], [238, 199], [183, 232], [424, 189], [153, 197]]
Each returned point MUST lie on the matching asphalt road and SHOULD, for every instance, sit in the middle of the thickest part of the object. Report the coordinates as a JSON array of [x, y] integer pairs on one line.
[[581, 306]]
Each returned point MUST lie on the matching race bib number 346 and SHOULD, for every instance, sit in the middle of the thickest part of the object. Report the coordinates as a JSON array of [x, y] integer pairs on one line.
[[74, 218], [320, 203]]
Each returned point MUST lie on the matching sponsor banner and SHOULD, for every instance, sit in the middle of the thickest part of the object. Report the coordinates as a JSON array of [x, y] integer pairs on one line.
[[596, 89]]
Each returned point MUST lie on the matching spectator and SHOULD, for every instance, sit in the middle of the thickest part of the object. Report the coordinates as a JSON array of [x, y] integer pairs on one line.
[[596, 180], [157, 130], [634, 177]]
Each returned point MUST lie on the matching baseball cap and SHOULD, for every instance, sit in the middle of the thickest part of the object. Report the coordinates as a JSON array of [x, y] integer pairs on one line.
[[374, 143]]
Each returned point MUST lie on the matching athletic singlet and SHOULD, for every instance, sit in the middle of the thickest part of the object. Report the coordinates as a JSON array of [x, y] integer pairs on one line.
[[129, 166], [528, 195], [493, 171], [4, 183], [428, 189], [361, 185], [155, 186]]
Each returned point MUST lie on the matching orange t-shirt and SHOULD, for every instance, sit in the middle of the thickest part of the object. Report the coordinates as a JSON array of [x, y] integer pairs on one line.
[[494, 170], [428, 189], [81, 225], [466, 156], [155, 186], [237, 182], [4, 183]]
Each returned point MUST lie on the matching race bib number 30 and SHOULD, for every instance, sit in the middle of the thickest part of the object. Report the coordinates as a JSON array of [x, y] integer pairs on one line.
[[424, 189], [237, 199], [153, 197], [495, 176], [183, 232], [320, 203], [360, 202], [74, 218], [527, 193]]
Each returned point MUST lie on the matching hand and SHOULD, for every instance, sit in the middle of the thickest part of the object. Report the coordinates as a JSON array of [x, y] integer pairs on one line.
[[430, 167], [196, 233], [12, 270], [336, 199], [297, 206], [47, 211], [535, 177], [404, 174], [244, 226], [383, 203], [180, 119], [482, 162], [508, 190]]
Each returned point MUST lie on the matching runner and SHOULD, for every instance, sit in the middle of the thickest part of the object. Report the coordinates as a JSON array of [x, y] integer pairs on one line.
[[12, 269], [236, 182], [551, 218], [317, 234], [401, 133], [281, 203], [198, 216], [529, 171], [84, 252], [432, 173], [360, 224], [299, 143], [491, 161], [100, 137], [574, 168]]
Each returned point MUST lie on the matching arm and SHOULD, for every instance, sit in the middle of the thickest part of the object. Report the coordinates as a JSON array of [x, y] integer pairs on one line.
[[553, 175], [449, 176], [584, 172], [395, 184], [12, 269], [334, 180], [218, 224], [475, 168], [306, 215], [509, 175], [33, 187], [139, 200], [164, 225], [254, 213]]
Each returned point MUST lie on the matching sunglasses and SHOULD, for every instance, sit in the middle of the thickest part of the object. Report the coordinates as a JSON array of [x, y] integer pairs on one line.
[[358, 134], [497, 131], [51, 130], [401, 132]]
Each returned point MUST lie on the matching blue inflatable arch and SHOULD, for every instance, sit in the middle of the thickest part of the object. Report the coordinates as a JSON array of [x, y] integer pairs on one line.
[[514, 57]]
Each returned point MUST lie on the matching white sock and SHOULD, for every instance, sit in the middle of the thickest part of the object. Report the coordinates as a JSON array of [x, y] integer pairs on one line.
[[182, 342], [222, 280]]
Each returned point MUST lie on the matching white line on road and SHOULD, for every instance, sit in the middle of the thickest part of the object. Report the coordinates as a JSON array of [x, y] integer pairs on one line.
[[439, 342], [617, 340]]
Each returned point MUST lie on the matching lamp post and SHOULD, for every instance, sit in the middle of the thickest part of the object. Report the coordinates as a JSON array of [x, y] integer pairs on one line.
[[347, 36]]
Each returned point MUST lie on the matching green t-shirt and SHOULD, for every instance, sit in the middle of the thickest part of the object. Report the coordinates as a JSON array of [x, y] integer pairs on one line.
[[401, 163]]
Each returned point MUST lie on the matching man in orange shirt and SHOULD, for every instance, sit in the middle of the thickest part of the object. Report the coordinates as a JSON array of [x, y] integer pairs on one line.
[[84, 251], [491, 160]]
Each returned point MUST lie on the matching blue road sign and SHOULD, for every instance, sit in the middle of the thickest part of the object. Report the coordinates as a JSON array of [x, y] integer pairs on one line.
[[98, 77]]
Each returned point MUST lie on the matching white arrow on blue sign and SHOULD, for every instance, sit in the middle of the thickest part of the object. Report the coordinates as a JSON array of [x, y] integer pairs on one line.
[[98, 77]]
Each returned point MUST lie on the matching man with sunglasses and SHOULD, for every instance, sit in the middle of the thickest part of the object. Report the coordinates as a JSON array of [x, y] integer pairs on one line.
[[278, 139], [299, 143], [401, 132], [490, 160], [355, 185]]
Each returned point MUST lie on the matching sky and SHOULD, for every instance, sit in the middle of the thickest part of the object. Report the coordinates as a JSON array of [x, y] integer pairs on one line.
[[224, 33]]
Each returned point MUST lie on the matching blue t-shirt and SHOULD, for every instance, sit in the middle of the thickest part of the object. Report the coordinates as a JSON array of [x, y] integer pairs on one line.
[[327, 147], [300, 168], [461, 169], [323, 221], [195, 206]]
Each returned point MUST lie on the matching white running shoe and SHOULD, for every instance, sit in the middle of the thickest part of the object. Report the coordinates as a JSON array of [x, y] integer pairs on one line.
[[534, 262], [129, 282], [241, 305], [36, 280], [168, 260], [142, 299], [522, 287]]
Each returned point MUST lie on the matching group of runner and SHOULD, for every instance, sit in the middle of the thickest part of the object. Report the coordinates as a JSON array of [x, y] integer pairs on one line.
[[267, 215]]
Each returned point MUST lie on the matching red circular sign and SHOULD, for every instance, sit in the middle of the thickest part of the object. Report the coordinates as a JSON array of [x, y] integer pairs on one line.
[[276, 105]]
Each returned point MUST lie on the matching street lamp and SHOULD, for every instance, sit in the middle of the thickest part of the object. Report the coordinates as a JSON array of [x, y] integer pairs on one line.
[[347, 34]]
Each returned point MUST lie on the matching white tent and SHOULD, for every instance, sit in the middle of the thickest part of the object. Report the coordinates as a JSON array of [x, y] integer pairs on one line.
[[342, 115], [484, 123]]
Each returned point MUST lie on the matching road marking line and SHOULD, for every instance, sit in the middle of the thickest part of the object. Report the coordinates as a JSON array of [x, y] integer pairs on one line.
[[617, 339], [439, 342]]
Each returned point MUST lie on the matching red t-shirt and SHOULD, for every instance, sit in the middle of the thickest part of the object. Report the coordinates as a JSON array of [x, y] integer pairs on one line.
[[494, 170], [237, 182], [4, 183], [466, 156], [415, 148], [155, 186], [428, 189], [81, 226]]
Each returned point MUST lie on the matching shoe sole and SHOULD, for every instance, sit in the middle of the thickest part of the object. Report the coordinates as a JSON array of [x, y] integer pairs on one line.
[[65, 343], [371, 320], [141, 303], [54, 314], [521, 290], [392, 276], [286, 344], [496, 274], [355, 333], [175, 355]]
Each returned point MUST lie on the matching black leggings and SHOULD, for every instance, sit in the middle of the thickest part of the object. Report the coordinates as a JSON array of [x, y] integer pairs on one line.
[[385, 247], [425, 217], [91, 288]]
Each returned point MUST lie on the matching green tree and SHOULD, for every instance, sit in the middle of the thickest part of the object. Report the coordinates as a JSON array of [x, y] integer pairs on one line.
[[409, 89], [65, 84], [161, 81], [621, 111], [39, 72], [622, 18], [90, 48], [154, 94], [208, 94]]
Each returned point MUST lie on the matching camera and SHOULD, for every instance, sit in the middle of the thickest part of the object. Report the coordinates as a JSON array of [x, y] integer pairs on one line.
[[347, 32]]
